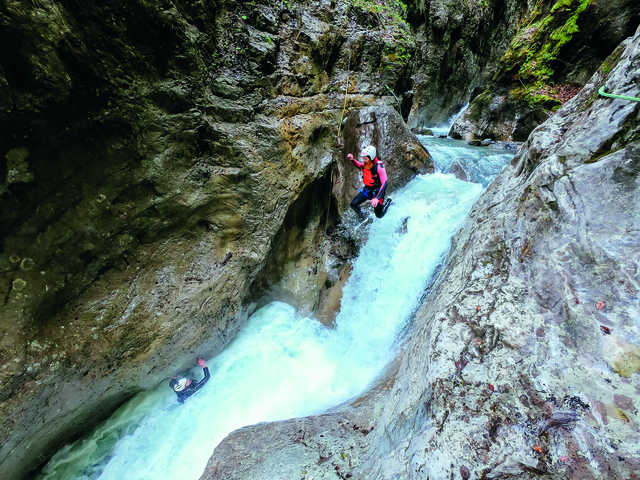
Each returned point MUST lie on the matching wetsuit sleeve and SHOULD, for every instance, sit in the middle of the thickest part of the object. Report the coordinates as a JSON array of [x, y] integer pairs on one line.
[[359, 165], [383, 179], [206, 378]]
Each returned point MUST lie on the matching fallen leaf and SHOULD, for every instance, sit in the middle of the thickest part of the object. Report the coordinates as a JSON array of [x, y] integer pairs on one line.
[[491, 387], [464, 473], [576, 300], [538, 449], [605, 330], [478, 308], [599, 305]]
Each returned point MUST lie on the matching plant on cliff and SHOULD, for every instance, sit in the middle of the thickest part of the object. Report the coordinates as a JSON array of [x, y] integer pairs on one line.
[[388, 16], [529, 63]]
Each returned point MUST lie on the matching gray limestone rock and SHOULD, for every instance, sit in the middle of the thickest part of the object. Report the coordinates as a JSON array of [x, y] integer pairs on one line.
[[525, 359], [509, 372]]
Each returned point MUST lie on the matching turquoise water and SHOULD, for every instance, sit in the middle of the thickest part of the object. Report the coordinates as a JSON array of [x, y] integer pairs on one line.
[[282, 365]]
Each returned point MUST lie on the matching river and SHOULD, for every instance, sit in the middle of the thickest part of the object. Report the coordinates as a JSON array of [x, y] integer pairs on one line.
[[282, 365]]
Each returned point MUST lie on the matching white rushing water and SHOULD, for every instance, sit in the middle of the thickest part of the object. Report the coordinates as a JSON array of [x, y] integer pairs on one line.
[[282, 365], [444, 129]]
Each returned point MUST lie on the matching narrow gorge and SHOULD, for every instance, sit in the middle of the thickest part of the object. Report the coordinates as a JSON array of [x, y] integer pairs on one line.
[[174, 184]]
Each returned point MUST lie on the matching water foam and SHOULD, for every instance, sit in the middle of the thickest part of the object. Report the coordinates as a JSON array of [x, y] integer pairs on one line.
[[281, 365]]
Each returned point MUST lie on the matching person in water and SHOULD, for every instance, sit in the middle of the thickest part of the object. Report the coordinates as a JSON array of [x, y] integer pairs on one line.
[[374, 177], [185, 387]]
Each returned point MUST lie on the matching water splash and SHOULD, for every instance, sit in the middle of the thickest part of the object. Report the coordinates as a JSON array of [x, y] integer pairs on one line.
[[444, 129], [281, 365]]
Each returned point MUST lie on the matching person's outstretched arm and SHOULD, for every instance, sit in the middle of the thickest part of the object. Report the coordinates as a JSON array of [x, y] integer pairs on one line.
[[359, 165], [207, 375]]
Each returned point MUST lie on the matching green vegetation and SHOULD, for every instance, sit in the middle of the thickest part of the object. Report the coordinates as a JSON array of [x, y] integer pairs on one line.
[[390, 15], [529, 61]]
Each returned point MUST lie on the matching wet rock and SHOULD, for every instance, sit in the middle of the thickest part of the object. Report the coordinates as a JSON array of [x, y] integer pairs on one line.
[[548, 222], [422, 131], [457, 171], [531, 83]]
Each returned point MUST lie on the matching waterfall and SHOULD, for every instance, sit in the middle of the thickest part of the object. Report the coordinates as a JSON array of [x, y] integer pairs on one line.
[[282, 365]]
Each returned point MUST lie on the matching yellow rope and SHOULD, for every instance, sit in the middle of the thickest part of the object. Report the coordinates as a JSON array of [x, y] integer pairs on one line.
[[346, 91], [326, 223]]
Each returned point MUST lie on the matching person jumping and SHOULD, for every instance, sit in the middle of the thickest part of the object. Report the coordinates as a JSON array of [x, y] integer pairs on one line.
[[374, 177]]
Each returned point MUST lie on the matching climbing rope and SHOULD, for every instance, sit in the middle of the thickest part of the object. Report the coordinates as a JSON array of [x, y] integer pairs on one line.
[[346, 91], [324, 234], [394, 96], [326, 223], [621, 97]]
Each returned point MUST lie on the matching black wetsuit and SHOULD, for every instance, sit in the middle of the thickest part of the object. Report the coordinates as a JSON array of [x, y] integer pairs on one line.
[[193, 386]]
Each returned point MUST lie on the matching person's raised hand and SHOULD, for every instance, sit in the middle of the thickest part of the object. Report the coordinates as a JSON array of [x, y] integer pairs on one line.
[[374, 202], [201, 362], [349, 157]]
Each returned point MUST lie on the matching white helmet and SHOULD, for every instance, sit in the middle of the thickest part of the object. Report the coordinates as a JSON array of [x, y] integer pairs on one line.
[[180, 385], [369, 151]]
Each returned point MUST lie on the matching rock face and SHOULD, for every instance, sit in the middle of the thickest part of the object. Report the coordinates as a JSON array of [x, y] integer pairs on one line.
[[323, 446], [152, 155], [458, 47], [299, 246], [553, 54], [525, 359]]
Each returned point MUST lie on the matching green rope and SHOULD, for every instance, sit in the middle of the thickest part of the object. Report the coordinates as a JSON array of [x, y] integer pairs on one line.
[[621, 97]]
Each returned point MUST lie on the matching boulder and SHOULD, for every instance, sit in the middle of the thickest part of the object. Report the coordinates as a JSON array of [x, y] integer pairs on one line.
[[457, 171], [422, 131]]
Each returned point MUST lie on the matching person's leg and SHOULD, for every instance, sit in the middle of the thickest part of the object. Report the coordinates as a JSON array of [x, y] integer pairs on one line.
[[382, 208], [358, 200]]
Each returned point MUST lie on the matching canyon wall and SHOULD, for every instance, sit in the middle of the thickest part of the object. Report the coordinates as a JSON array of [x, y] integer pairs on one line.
[[557, 47], [152, 153], [524, 361], [459, 44]]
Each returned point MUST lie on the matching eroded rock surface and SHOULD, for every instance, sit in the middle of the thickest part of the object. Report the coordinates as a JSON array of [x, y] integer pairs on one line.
[[526, 358], [152, 155], [324, 446], [458, 48]]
